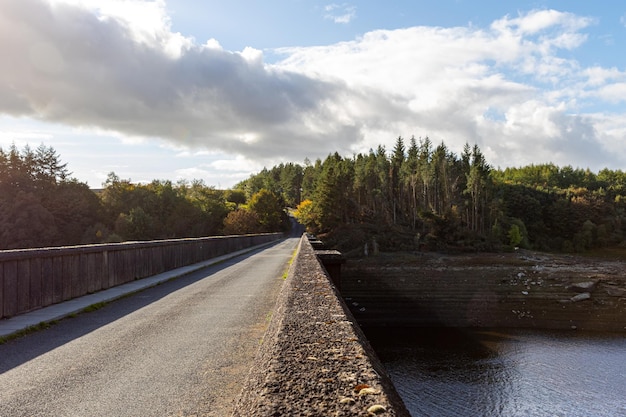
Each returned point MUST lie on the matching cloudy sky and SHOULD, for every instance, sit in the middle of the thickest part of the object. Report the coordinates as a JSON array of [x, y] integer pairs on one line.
[[216, 90]]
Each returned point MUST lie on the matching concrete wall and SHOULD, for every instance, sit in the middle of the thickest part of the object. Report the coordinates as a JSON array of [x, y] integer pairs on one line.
[[314, 359], [519, 290], [35, 278]]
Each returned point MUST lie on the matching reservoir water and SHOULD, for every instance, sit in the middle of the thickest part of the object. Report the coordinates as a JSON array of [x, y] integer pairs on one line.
[[460, 372]]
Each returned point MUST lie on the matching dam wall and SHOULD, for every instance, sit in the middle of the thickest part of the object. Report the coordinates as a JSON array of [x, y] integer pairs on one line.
[[314, 359], [519, 290]]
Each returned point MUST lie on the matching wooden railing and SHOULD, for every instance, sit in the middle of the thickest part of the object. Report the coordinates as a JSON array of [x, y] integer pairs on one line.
[[35, 278]]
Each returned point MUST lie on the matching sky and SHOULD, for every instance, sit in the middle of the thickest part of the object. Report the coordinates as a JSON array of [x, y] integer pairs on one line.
[[215, 91]]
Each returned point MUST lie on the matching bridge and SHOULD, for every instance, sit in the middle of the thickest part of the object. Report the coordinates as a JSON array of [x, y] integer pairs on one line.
[[190, 345]]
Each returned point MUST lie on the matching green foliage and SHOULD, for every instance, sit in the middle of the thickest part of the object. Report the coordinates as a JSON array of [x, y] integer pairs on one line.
[[269, 208], [162, 210], [284, 180], [236, 197], [241, 222], [41, 206], [515, 236], [29, 170], [37, 206], [416, 196], [452, 201]]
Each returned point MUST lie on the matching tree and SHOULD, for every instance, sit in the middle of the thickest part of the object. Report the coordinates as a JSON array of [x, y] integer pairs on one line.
[[75, 209], [397, 160], [211, 202], [242, 221], [136, 225], [305, 213], [515, 236], [237, 197], [41, 205], [460, 200], [117, 196], [477, 182], [333, 193], [290, 182], [269, 208], [48, 166], [26, 223], [410, 180]]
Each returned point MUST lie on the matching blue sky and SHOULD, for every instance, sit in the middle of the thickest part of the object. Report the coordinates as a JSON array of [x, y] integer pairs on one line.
[[215, 90]]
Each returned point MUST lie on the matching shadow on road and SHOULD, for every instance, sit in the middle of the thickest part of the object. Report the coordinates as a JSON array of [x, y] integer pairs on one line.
[[19, 351]]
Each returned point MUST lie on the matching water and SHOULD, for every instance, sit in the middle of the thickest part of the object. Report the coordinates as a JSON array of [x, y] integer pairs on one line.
[[451, 372]]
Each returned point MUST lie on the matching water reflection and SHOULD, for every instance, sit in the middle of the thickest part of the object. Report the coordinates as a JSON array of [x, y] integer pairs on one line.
[[456, 372]]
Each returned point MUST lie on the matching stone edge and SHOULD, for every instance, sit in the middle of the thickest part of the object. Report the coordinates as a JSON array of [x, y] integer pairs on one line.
[[314, 359]]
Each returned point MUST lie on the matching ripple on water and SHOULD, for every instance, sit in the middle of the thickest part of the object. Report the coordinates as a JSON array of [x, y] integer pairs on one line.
[[506, 372]]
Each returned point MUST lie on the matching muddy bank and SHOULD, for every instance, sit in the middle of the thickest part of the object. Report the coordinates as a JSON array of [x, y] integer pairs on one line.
[[521, 289]]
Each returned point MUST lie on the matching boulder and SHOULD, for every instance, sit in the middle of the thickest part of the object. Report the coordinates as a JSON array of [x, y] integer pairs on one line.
[[583, 287], [581, 297], [615, 291]]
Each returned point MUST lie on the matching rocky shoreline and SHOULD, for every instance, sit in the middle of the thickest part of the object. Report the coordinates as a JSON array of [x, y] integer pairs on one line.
[[520, 289]]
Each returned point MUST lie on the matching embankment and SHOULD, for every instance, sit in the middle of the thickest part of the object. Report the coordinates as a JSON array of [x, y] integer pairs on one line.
[[521, 289], [314, 359]]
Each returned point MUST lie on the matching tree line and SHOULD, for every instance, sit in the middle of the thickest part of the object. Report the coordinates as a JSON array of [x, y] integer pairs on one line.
[[415, 196], [418, 195], [41, 205]]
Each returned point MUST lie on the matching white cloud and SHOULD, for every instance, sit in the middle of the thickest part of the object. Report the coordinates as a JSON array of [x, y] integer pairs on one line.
[[22, 137], [340, 13], [146, 22], [95, 72], [453, 78], [238, 164], [539, 21], [92, 65], [613, 93], [222, 172]]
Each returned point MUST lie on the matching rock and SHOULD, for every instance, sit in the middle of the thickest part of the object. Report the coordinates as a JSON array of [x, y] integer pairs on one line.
[[581, 297], [376, 409], [368, 391], [616, 292], [583, 287]]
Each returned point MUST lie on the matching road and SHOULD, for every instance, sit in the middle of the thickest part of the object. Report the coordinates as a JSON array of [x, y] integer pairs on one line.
[[182, 348]]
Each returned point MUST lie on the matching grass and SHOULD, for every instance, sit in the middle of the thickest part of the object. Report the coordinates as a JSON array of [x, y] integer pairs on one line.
[[291, 260], [94, 307], [47, 324], [31, 329]]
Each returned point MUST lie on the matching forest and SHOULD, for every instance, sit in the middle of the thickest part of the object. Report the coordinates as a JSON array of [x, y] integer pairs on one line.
[[41, 205], [419, 196]]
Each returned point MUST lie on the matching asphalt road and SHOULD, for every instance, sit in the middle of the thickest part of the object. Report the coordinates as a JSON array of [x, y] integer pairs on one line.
[[183, 348]]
